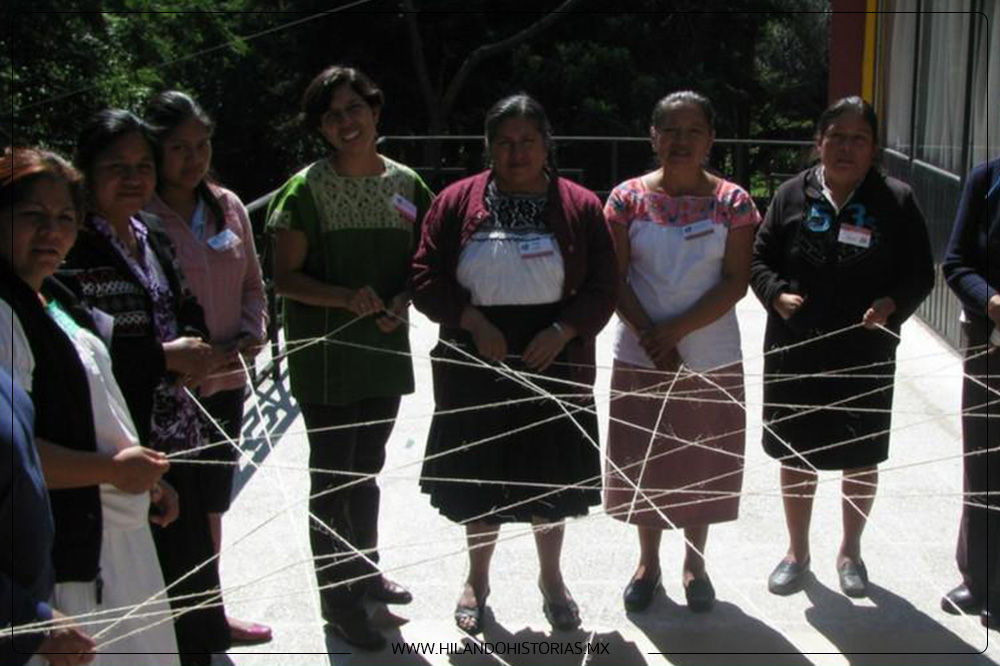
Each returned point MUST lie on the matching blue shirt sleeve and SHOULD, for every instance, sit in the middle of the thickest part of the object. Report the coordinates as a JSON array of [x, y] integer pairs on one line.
[[962, 263]]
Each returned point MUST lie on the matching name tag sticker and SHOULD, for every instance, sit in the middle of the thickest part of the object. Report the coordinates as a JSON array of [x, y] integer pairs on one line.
[[699, 229], [223, 241], [856, 236], [404, 207], [535, 248]]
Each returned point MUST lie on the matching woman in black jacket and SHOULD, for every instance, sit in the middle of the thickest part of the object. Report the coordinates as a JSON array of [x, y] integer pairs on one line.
[[843, 254], [123, 263], [972, 269]]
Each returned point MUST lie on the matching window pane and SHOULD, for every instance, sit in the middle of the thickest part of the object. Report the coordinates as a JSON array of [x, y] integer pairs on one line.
[[941, 91], [986, 84], [898, 25]]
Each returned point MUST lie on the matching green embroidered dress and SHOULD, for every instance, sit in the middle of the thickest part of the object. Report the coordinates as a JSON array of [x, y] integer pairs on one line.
[[360, 232]]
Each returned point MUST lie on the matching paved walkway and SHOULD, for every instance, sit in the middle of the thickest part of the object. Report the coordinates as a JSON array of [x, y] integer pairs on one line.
[[909, 550]]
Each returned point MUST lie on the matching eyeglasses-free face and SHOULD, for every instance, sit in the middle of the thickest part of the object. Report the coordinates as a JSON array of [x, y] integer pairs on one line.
[[123, 178], [38, 231], [349, 125], [518, 152], [683, 139]]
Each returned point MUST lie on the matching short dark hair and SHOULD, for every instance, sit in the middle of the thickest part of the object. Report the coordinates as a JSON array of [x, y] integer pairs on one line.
[[319, 92], [21, 168], [852, 104], [683, 98], [101, 130], [520, 105]]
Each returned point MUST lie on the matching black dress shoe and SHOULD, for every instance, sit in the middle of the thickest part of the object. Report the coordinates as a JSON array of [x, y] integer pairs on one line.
[[989, 619], [700, 595], [960, 601], [639, 593], [787, 578], [853, 579], [355, 629], [388, 591]]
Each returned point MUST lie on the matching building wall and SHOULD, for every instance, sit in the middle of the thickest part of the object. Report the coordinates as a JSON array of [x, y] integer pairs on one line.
[[935, 83]]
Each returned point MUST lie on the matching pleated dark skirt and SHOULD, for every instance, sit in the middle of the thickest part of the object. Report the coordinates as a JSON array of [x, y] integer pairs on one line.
[[515, 457]]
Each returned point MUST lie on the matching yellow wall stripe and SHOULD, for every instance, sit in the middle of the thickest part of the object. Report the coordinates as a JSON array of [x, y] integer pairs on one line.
[[868, 63]]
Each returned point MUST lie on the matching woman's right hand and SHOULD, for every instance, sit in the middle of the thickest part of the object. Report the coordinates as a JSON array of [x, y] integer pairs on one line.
[[187, 356], [137, 469], [490, 342], [364, 302], [787, 304]]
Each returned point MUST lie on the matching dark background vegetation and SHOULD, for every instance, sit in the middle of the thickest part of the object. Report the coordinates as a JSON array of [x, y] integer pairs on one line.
[[441, 63]]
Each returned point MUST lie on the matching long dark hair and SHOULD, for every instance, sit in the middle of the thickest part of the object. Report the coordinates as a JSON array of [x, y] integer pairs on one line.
[[165, 113], [100, 131], [852, 104], [520, 105], [683, 98]]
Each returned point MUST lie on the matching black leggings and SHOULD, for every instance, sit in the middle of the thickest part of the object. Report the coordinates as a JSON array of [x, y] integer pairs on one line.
[[352, 512]]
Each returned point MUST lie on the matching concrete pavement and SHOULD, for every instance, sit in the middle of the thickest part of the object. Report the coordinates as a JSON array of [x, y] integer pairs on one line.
[[909, 550]]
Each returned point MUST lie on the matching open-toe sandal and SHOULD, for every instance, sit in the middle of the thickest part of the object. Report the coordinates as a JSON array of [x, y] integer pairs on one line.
[[562, 616], [470, 618]]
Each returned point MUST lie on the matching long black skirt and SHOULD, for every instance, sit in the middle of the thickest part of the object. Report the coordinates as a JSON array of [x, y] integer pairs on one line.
[[512, 459]]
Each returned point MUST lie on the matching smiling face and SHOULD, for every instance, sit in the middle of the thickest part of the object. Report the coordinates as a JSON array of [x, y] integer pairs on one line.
[[349, 124], [683, 138], [123, 178], [847, 150], [518, 151], [187, 156], [39, 230]]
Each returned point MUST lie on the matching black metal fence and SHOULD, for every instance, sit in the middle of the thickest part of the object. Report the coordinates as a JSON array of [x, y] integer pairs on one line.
[[938, 192]]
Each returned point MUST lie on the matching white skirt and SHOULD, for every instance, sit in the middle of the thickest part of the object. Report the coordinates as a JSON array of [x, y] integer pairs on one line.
[[128, 557]]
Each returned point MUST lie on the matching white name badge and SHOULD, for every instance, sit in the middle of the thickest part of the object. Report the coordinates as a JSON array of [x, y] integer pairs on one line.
[[223, 241], [535, 248], [404, 207], [856, 236], [698, 229]]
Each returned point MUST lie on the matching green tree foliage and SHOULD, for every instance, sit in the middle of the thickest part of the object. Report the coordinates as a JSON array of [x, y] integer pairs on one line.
[[597, 72]]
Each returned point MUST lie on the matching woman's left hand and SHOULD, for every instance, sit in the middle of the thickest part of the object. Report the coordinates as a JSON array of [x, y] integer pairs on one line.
[[395, 313], [660, 341], [546, 346], [166, 505], [879, 312], [249, 347]]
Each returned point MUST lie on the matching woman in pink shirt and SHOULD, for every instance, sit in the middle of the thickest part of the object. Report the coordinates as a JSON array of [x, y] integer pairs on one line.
[[214, 240]]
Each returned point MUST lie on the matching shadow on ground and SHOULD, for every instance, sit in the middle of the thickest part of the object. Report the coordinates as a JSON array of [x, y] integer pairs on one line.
[[891, 632], [725, 637], [279, 412]]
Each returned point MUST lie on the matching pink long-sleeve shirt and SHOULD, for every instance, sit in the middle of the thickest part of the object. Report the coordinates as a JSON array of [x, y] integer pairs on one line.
[[227, 284]]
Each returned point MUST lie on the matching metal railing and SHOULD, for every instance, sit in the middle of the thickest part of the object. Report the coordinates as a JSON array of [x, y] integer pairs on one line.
[[596, 162]]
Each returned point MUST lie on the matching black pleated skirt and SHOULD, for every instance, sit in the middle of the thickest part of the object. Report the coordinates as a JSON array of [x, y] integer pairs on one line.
[[516, 455]]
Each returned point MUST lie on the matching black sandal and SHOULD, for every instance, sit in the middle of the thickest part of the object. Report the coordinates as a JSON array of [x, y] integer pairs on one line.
[[472, 616], [562, 617]]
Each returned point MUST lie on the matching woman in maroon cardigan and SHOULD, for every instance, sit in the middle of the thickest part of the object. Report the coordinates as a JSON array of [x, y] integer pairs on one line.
[[517, 266]]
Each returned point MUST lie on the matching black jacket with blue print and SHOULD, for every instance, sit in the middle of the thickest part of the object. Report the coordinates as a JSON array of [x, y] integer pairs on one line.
[[876, 245]]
